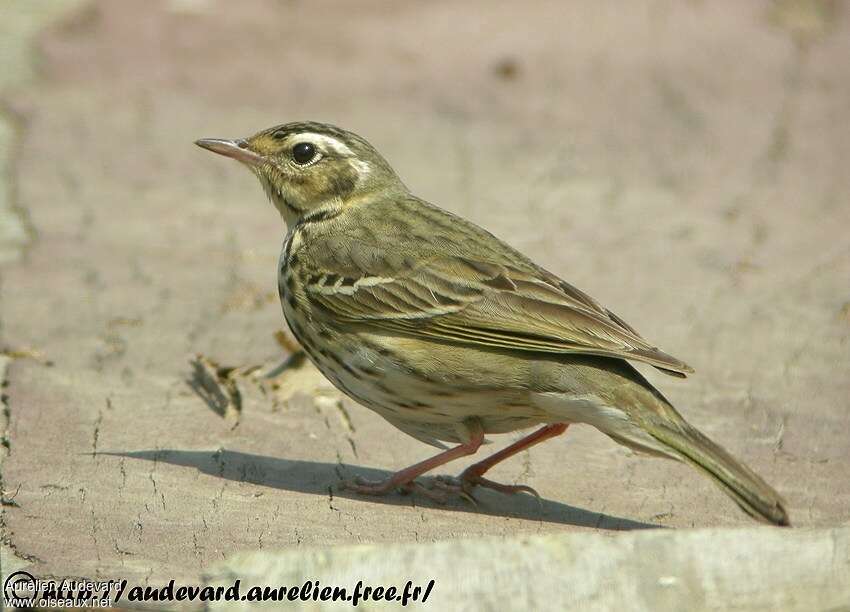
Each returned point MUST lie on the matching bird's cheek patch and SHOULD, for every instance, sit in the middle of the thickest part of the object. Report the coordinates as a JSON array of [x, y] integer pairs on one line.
[[343, 184]]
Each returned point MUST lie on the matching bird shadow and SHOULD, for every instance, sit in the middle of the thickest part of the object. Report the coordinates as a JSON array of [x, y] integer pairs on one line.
[[315, 478]]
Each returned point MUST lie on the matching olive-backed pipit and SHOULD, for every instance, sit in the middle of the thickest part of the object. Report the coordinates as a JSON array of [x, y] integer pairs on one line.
[[449, 333]]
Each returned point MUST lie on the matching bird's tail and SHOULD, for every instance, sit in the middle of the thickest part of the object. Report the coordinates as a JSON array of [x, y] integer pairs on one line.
[[745, 487]]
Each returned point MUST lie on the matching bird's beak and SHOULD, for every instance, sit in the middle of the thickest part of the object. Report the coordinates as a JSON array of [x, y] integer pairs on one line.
[[235, 149]]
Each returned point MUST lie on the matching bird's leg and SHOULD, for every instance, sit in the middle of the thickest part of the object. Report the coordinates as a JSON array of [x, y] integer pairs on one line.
[[404, 478], [473, 475]]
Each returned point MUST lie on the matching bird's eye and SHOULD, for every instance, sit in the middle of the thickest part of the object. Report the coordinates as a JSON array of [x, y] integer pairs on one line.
[[303, 153]]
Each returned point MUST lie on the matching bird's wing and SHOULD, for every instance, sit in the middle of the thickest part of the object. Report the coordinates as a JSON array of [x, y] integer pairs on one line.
[[452, 298]]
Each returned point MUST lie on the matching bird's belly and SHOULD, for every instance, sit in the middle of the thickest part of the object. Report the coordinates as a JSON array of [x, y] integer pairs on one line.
[[415, 391]]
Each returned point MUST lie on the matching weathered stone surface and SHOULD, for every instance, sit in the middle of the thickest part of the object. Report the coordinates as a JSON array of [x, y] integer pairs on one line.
[[695, 570], [17, 28], [685, 163]]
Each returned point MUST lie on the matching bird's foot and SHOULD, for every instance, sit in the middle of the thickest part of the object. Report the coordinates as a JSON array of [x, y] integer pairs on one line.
[[443, 488], [466, 483]]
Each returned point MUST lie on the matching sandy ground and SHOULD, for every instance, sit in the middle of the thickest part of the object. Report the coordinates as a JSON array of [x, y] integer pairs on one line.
[[685, 163]]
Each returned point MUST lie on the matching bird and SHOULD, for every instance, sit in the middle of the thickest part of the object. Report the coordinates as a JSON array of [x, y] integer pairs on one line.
[[451, 334]]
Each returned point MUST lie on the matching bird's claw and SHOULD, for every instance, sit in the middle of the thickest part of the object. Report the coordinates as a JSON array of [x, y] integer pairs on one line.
[[448, 486], [506, 489], [466, 483]]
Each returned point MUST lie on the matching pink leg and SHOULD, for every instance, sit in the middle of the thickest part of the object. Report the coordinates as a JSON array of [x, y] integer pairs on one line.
[[405, 477], [473, 475]]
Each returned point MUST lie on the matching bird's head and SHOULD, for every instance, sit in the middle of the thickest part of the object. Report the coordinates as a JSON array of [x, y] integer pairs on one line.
[[306, 167]]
